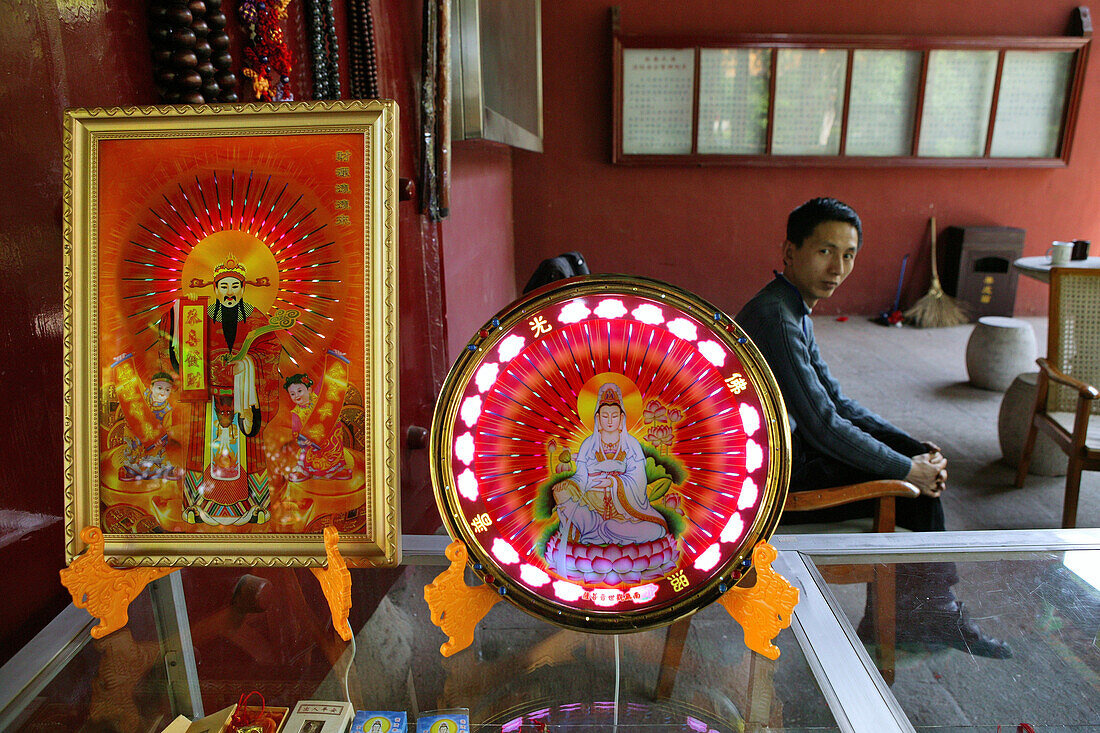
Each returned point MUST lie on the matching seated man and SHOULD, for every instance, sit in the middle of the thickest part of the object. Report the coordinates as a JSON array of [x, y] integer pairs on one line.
[[835, 440]]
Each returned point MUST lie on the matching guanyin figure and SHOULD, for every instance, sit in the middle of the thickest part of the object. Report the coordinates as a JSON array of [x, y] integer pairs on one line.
[[608, 530]]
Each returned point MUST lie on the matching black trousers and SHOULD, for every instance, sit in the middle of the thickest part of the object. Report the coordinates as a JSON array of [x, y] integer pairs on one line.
[[917, 583], [811, 469]]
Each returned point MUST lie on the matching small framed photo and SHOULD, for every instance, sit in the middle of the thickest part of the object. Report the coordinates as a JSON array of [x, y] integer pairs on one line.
[[379, 721], [230, 333], [319, 716], [444, 721]]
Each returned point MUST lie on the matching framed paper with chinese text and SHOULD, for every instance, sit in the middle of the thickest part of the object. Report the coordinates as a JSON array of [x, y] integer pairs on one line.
[[610, 450], [842, 100], [230, 333]]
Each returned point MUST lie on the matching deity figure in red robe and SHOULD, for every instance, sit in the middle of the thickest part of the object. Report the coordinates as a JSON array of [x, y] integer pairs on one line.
[[226, 480]]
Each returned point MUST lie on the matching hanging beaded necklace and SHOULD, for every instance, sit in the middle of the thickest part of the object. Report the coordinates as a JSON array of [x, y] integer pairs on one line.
[[323, 49], [267, 58], [362, 61], [191, 58]]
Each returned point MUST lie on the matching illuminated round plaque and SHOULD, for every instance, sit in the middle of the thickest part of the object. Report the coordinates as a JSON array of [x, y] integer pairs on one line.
[[610, 450]]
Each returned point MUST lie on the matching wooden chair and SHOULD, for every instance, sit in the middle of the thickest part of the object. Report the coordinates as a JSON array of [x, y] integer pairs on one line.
[[883, 492], [1066, 405], [880, 578]]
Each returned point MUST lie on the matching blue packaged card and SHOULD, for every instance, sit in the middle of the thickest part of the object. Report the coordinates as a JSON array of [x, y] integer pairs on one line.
[[444, 721], [379, 721]]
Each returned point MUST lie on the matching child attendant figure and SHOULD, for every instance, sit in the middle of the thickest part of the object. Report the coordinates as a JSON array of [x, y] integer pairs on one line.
[[141, 462], [320, 457]]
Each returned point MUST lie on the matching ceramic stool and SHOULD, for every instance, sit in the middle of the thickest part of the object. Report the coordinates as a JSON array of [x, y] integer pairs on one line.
[[1047, 459], [999, 348]]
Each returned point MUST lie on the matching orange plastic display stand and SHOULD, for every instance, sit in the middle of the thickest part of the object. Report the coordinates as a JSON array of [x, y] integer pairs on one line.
[[335, 580], [105, 592], [456, 608], [763, 609]]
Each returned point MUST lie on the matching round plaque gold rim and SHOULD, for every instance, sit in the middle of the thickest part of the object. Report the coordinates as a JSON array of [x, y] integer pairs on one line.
[[760, 376]]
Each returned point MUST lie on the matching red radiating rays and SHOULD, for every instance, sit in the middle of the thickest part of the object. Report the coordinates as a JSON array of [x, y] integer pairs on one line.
[[533, 403], [298, 236]]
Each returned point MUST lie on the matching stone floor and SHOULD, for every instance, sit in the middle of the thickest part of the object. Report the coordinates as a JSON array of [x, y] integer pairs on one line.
[[917, 379]]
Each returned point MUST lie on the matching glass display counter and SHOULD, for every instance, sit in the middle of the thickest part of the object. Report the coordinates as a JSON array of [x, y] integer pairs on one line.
[[199, 638]]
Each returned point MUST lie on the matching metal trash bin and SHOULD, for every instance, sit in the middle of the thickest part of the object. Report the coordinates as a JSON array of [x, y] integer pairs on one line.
[[978, 268]]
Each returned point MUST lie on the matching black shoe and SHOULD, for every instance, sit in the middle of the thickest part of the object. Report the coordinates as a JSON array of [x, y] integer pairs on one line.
[[952, 626]]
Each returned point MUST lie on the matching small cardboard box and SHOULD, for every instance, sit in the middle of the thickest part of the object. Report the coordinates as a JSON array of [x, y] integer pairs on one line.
[[453, 720], [319, 716], [379, 721], [219, 722]]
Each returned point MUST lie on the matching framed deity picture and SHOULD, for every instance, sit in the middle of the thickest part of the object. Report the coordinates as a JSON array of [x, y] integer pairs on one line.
[[610, 450], [230, 335]]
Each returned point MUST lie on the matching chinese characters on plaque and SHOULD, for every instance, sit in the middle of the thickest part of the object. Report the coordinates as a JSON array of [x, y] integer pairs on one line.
[[657, 94], [733, 100], [609, 453], [857, 102]]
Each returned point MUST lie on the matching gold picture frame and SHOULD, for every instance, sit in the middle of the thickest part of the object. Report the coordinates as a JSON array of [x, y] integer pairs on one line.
[[230, 333]]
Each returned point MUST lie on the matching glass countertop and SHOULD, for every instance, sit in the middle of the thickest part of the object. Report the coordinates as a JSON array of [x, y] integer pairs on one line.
[[270, 632], [1044, 605], [199, 638]]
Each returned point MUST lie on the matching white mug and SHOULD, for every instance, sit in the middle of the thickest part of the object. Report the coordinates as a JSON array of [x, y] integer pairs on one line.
[[1059, 253]]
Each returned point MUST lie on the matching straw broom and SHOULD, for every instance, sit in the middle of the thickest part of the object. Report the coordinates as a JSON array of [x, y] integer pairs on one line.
[[936, 308]]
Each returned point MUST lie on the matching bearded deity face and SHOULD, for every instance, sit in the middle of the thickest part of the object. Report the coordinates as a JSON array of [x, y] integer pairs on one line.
[[229, 291]]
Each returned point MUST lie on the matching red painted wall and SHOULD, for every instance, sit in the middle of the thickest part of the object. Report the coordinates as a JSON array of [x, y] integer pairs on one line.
[[718, 231], [52, 57], [477, 239], [85, 54]]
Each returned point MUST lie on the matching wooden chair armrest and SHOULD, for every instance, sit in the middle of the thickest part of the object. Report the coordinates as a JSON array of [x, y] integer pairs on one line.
[[802, 501], [1087, 391]]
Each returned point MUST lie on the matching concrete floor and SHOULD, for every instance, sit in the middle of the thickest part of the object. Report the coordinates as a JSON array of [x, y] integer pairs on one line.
[[917, 379]]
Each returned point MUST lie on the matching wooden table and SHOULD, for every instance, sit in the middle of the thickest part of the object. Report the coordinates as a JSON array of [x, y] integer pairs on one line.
[[1038, 267]]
